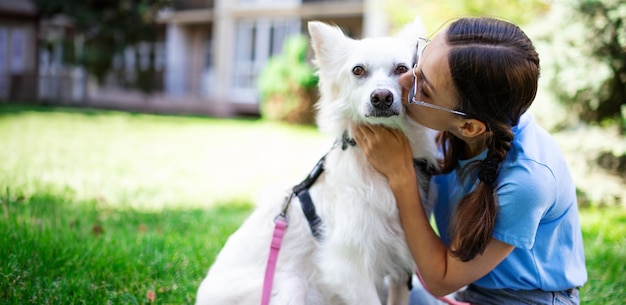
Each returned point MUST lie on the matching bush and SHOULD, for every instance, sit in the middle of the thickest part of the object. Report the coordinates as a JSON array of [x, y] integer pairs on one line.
[[288, 85], [588, 55]]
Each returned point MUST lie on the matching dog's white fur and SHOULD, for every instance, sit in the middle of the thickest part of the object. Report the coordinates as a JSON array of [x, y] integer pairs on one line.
[[362, 241]]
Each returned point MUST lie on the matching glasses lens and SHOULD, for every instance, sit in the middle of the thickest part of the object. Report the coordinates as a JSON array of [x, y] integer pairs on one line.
[[421, 45], [412, 92], [418, 53]]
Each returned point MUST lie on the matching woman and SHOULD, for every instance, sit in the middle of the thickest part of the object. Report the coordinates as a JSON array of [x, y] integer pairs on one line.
[[505, 203]]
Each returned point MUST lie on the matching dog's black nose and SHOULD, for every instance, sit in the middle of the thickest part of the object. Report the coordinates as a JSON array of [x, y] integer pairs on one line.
[[381, 99]]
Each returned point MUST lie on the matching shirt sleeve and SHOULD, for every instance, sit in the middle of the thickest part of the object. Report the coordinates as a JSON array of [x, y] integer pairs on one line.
[[525, 193]]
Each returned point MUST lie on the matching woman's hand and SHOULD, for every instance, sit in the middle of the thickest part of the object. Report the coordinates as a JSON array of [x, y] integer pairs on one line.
[[387, 150]]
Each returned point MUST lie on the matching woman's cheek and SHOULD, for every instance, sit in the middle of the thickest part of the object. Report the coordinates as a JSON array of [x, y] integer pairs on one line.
[[412, 114]]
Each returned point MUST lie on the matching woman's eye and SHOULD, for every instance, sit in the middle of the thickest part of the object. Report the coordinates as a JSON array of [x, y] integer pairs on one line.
[[358, 70], [401, 70], [422, 91]]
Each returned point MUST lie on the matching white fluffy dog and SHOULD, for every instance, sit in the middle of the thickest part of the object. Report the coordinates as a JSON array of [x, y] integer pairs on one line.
[[360, 242]]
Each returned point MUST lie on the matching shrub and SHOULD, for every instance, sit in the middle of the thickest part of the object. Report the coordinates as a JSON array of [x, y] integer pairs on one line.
[[288, 85], [588, 42]]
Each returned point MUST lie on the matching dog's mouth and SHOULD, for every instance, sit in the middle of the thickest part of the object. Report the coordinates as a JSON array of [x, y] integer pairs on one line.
[[382, 113]]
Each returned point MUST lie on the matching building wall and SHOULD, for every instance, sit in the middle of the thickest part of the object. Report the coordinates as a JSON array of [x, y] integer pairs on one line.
[[215, 53], [18, 50]]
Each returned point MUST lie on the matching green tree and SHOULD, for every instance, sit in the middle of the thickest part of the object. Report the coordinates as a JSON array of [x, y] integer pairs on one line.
[[288, 84], [106, 28], [588, 56], [435, 13]]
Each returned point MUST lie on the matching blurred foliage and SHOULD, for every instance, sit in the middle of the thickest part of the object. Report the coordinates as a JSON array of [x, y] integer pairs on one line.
[[588, 55], [287, 84], [435, 13], [105, 28]]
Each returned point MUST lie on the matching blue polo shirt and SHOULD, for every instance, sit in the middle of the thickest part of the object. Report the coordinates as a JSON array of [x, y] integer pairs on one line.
[[537, 213]]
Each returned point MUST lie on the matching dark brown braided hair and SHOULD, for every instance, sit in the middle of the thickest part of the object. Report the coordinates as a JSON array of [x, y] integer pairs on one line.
[[495, 69]]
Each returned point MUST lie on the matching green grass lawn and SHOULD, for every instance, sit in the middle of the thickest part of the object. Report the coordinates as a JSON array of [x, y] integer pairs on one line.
[[102, 207], [59, 252]]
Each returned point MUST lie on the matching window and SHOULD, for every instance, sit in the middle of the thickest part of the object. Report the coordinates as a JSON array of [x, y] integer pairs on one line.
[[18, 44], [268, 2], [256, 41], [4, 61]]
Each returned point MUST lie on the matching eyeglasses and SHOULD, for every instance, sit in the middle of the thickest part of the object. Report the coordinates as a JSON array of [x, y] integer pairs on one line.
[[421, 45]]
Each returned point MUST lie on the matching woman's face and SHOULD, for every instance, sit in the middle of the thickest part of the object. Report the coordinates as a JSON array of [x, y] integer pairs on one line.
[[433, 85]]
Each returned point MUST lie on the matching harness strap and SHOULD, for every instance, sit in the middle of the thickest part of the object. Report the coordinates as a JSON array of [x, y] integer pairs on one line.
[[309, 212], [277, 239], [302, 191], [425, 166], [312, 177], [346, 141]]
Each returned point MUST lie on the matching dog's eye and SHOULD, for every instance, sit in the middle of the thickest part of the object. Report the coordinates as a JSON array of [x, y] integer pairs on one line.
[[401, 70], [358, 70]]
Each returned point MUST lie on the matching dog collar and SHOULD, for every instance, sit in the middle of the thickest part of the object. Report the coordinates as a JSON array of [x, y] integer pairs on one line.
[[346, 141]]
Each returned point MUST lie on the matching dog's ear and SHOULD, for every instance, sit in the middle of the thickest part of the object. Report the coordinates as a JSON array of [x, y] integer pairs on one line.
[[328, 42], [412, 31]]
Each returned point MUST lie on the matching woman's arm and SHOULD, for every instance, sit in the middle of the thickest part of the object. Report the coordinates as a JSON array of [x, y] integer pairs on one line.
[[388, 152]]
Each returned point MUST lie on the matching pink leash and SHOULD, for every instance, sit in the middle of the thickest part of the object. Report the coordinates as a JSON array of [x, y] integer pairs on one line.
[[277, 239], [279, 232], [280, 226], [443, 299]]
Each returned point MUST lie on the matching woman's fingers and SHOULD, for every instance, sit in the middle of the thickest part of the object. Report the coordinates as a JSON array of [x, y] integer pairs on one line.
[[387, 150], [365, 132]]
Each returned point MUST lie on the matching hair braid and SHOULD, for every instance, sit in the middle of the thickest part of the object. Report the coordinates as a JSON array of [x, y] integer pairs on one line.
[[481, 205], [500, 144]]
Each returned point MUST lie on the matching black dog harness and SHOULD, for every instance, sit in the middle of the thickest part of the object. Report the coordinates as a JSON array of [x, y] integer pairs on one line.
[[302, 189]]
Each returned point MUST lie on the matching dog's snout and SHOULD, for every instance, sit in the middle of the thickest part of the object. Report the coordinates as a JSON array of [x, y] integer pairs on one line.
[[381, 99]]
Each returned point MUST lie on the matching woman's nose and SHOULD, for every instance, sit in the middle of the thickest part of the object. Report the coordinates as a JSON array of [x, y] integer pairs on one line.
[[406, 80]]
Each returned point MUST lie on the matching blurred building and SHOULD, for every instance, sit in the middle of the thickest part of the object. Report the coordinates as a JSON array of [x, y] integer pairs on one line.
[[18, 49], [58, 81], [205, 60], [215, 49]]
